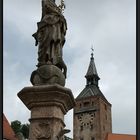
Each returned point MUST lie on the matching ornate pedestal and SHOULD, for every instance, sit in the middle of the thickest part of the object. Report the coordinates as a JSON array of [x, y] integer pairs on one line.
[[48, 105]]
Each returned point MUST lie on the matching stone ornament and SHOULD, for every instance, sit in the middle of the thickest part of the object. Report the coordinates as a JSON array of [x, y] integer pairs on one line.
[[48, 74], [42, 131], [50, 38], [61, 134]]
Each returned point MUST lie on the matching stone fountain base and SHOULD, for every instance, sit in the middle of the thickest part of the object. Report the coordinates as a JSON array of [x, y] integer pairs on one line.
[[48, 105]]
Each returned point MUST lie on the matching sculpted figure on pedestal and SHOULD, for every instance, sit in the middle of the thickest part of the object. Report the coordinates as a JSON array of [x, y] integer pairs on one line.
[[50, 36], [50, 39]]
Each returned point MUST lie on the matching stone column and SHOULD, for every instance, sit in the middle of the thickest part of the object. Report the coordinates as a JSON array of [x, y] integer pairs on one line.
[[48, 105]]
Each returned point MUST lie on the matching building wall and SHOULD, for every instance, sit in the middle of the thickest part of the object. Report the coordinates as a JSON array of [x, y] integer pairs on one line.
[[90, 124], [105, 118]]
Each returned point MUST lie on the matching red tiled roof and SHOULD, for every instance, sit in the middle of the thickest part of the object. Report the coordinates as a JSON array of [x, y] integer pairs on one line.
[[8, 133], [111, 136]]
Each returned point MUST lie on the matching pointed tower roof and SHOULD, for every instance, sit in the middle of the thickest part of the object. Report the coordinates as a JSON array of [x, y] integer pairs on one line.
[[91, 72], [92, 78], [92, 75]]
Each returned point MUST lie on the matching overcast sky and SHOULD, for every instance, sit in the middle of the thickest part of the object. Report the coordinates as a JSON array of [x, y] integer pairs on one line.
[[110, 25]]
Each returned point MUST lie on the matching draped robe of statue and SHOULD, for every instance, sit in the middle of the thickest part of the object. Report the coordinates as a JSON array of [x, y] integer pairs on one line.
[[51, 36]]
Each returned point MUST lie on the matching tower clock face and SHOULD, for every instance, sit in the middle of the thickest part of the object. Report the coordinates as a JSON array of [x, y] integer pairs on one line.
[[86, 118]]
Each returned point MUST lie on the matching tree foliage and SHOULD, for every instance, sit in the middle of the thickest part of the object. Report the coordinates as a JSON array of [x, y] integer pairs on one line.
[[25, 130], [18, 127]]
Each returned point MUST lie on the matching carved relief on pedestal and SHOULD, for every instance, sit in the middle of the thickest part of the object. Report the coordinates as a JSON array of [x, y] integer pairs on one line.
[[42, 131]]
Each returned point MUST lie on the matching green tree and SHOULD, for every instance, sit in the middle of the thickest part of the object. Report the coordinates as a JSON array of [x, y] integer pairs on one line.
[[22, 128], [25, 130], [16, 126]]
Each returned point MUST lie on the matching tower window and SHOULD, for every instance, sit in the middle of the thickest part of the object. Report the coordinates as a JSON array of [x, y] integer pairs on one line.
[[106, 117], [79, 117], [86, 104], [81, 128], [105, 106], [103, 127]]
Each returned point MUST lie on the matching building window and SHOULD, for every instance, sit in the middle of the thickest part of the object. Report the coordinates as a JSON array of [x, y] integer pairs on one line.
[[86, 104], [93, 115], [105, 106], [106, 117], [81, 139], [80, 105], [104, 128], [81, 127]]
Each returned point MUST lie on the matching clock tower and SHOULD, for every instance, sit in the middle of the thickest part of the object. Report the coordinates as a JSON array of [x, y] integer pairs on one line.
[[92, 113]]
